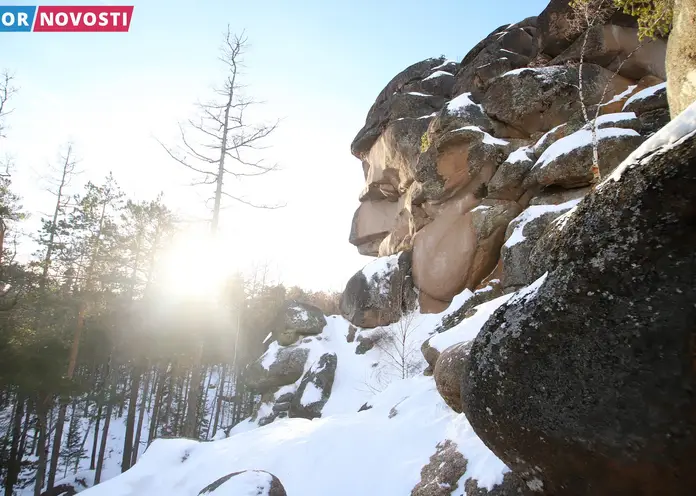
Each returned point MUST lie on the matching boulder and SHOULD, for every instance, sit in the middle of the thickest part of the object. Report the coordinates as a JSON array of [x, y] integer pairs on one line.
[[297, 319], [553, 135], [610, 47], [520, 239], [440, 476], [556, 29], [457, 159], [653, 120], [620, 120], [568, 162], [681, 57], [378, 294], [315, 388], [61, 490], [506, 183], [584, 382], [502, 52], [246, 483], [372, 222], [459, 112], [538, 99], [392, 159], [459, 249], [448, 373], [395, 102], [270, 372], [651, 98]]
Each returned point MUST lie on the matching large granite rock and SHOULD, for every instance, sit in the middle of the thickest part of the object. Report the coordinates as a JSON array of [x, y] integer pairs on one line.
[[584, 382], [681, 57], [378, 294], [396, 101], [277, 367], [457, 159], [315, 388], [533, 100], [448, 373], [297, 319], [246, 483], [460, 248], [618, 48], [568, 162]]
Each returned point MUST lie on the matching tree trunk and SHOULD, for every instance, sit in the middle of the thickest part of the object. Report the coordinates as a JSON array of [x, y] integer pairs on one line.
[[218, 402], [155, 419], [193, 392], [107, 422], [96, 439], [130, 419], [15, 461], [141, 416], [42, 421], [57, 442]]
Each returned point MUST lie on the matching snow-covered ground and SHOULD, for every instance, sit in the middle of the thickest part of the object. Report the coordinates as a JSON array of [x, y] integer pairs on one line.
[[378, 451]]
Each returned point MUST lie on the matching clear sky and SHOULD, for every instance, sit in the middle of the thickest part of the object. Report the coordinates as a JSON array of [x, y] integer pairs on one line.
[[318, 65]]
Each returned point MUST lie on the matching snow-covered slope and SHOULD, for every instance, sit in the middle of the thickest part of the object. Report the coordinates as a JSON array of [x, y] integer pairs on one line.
[[377, 451]]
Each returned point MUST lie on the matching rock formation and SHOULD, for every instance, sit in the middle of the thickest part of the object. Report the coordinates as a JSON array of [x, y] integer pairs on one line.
[[246, 483], [592, 366], [681, 57], [458, 157]]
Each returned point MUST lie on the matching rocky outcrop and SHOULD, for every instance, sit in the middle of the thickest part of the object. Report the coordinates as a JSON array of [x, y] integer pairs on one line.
[[534, 100], [469, 242], [277, 367], [297, 319], [448, 166], [568, 162], [448, 374], [583, 383], [315, 388], [446, 467], [378, 294], [681, 57], [246, 483], [402, 97]]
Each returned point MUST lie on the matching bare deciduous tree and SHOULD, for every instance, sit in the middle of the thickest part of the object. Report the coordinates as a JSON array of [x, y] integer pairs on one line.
[[222, 143], [400, 348], [7, 90]]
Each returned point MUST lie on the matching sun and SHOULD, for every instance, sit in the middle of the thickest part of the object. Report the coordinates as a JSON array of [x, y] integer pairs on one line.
[[195, 266]]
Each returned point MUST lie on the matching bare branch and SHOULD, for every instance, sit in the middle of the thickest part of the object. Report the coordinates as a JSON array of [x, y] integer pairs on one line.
[[251, 204]]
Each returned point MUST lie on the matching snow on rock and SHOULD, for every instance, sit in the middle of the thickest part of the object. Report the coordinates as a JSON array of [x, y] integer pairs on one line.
[[606, 120], [487, 138], [437, 74], [532, 213], [545, 73], [245, 483], [444, 64], [521, 154], [461, 102], [577, 140], [381, 266], [469, 328], [528, 292], [643, 94], [678, 129], [312, 394]]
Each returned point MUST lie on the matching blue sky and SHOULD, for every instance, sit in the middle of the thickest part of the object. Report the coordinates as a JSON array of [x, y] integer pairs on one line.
[[318, 66]]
